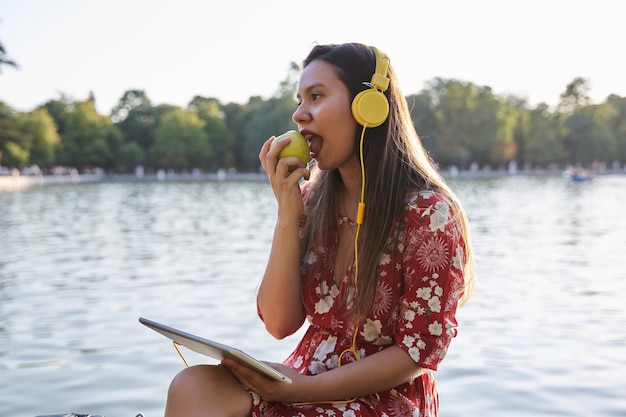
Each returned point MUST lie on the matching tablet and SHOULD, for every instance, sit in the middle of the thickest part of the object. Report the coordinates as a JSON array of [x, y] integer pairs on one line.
[[214, 349]]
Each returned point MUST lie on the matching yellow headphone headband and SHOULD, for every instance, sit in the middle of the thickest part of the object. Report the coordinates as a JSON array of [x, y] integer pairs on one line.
[[379, 79]]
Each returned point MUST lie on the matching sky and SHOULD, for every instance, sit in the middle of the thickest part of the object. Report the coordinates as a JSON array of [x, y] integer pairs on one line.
[[235, 49]]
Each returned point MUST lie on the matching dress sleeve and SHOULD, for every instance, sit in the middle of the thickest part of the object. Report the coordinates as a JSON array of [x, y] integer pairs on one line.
[[433, 258]]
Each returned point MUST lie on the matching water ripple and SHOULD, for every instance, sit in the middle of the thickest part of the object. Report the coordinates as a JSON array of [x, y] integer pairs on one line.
[[544, 336]]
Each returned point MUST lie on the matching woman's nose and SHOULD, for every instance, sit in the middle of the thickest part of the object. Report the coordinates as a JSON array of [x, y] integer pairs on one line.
[[301, 115]]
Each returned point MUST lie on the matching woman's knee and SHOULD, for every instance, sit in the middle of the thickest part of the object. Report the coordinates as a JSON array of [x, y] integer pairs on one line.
[[206, 387], [197, 378], [185, 379]]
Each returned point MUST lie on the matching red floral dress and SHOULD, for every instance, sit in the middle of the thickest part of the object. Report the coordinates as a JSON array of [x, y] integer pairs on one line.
[[420, 281]]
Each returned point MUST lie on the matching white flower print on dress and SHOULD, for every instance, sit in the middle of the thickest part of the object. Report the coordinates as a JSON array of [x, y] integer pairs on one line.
[[298, 362], [423, 293], [409, 315], [458, 257], [317, 367], [385, 259], [438, 290], [371, 330], [434, 304], [435, 328], [325, 347], [327, 298], [349, 413], [426, 194], [439, 217], [332, 362], [414, 353], [414, 346], [341, 410]]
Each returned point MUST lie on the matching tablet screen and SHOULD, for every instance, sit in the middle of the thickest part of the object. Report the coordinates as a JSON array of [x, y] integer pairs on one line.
[[213, 349]]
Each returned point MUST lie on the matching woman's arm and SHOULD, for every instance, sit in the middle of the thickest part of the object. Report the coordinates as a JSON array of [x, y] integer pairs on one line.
[[280, 294], [279, 297], [374, 373]]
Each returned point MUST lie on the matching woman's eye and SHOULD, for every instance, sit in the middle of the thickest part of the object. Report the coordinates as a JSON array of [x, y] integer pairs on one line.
[[315, 96]]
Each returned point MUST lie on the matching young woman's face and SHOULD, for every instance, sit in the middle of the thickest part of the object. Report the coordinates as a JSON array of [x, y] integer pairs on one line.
[[324, 116]]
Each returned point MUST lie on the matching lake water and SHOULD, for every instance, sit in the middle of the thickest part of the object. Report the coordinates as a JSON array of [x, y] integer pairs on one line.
[[545, 334]]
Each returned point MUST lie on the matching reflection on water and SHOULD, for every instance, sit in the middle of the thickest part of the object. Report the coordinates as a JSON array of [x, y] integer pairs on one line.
[[544, 336], [547, 330]]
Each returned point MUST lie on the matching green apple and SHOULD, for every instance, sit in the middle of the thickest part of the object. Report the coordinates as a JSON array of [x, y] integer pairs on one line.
[[297, 147]]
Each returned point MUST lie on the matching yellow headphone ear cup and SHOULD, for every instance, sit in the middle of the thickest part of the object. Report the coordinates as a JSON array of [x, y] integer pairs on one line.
[[370, 108]]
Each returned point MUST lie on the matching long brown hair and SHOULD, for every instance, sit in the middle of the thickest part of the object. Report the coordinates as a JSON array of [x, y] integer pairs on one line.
[[395, 163]]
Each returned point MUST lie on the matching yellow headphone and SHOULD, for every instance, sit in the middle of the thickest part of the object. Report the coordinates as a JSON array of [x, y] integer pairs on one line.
[[370, 107]]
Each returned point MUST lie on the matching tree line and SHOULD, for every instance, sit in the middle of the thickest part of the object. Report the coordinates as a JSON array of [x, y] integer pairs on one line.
[[460, 123]]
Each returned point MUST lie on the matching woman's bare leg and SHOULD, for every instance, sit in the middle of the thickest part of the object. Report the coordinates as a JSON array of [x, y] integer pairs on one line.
[[207, 391]]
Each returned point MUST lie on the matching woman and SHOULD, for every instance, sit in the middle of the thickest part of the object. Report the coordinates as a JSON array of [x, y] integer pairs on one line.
[[370, 246]]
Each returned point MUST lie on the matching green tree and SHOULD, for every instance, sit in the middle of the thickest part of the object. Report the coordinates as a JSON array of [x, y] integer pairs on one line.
[[14, 144], [453, 102], [126, 156], [261, 120], [576, 95], [130, 100], [4, 60], [522, 127], [288, 86], [221, 138], [473, 124], [136, 118], [502, 126], [198, 101], [543, 145], [180, 141], [42, 135], [425, 122], [58, 110], [589, 137], [87, 138], [234, 117], [617, 125]]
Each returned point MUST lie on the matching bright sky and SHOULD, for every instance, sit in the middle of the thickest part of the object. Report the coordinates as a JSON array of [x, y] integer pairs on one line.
[[235, 49]]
